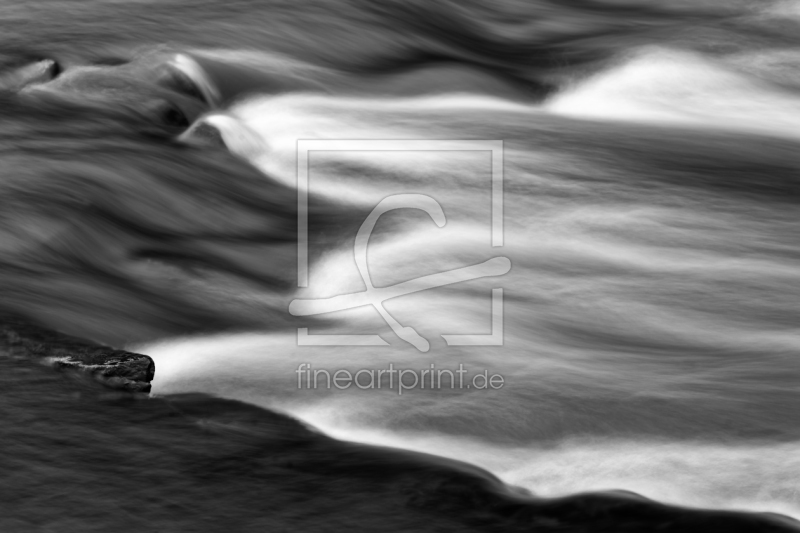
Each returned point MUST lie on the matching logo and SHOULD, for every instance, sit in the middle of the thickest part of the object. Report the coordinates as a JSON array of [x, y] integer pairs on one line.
[[376, 296]]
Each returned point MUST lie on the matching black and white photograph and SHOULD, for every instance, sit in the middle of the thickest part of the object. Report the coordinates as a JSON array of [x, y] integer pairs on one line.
[[378, 266]]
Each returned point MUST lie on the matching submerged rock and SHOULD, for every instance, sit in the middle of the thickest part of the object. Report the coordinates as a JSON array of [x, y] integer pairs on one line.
[[118, 369], [192, 462]]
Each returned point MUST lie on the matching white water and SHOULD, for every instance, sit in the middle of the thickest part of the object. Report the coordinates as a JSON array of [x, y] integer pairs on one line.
[[647, 341], [261, 369], [674, 87]]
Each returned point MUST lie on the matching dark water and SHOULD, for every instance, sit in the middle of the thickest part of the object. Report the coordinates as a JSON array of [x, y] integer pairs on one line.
[[650, 216], [77, 457]]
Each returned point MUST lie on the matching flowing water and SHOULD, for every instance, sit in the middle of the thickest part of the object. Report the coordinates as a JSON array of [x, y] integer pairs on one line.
[[651, 182]]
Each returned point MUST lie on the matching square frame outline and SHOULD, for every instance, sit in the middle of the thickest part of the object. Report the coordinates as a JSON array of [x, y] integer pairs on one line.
[[306, 146]]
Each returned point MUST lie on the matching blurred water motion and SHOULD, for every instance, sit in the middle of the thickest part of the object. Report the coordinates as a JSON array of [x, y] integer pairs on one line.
[[148, 160]]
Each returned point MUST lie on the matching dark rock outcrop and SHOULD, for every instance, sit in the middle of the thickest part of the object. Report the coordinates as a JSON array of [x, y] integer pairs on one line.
[[192, 462], [117, 369]]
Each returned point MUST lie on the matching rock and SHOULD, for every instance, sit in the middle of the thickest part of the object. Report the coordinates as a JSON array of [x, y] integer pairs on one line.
[[117, 369]]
